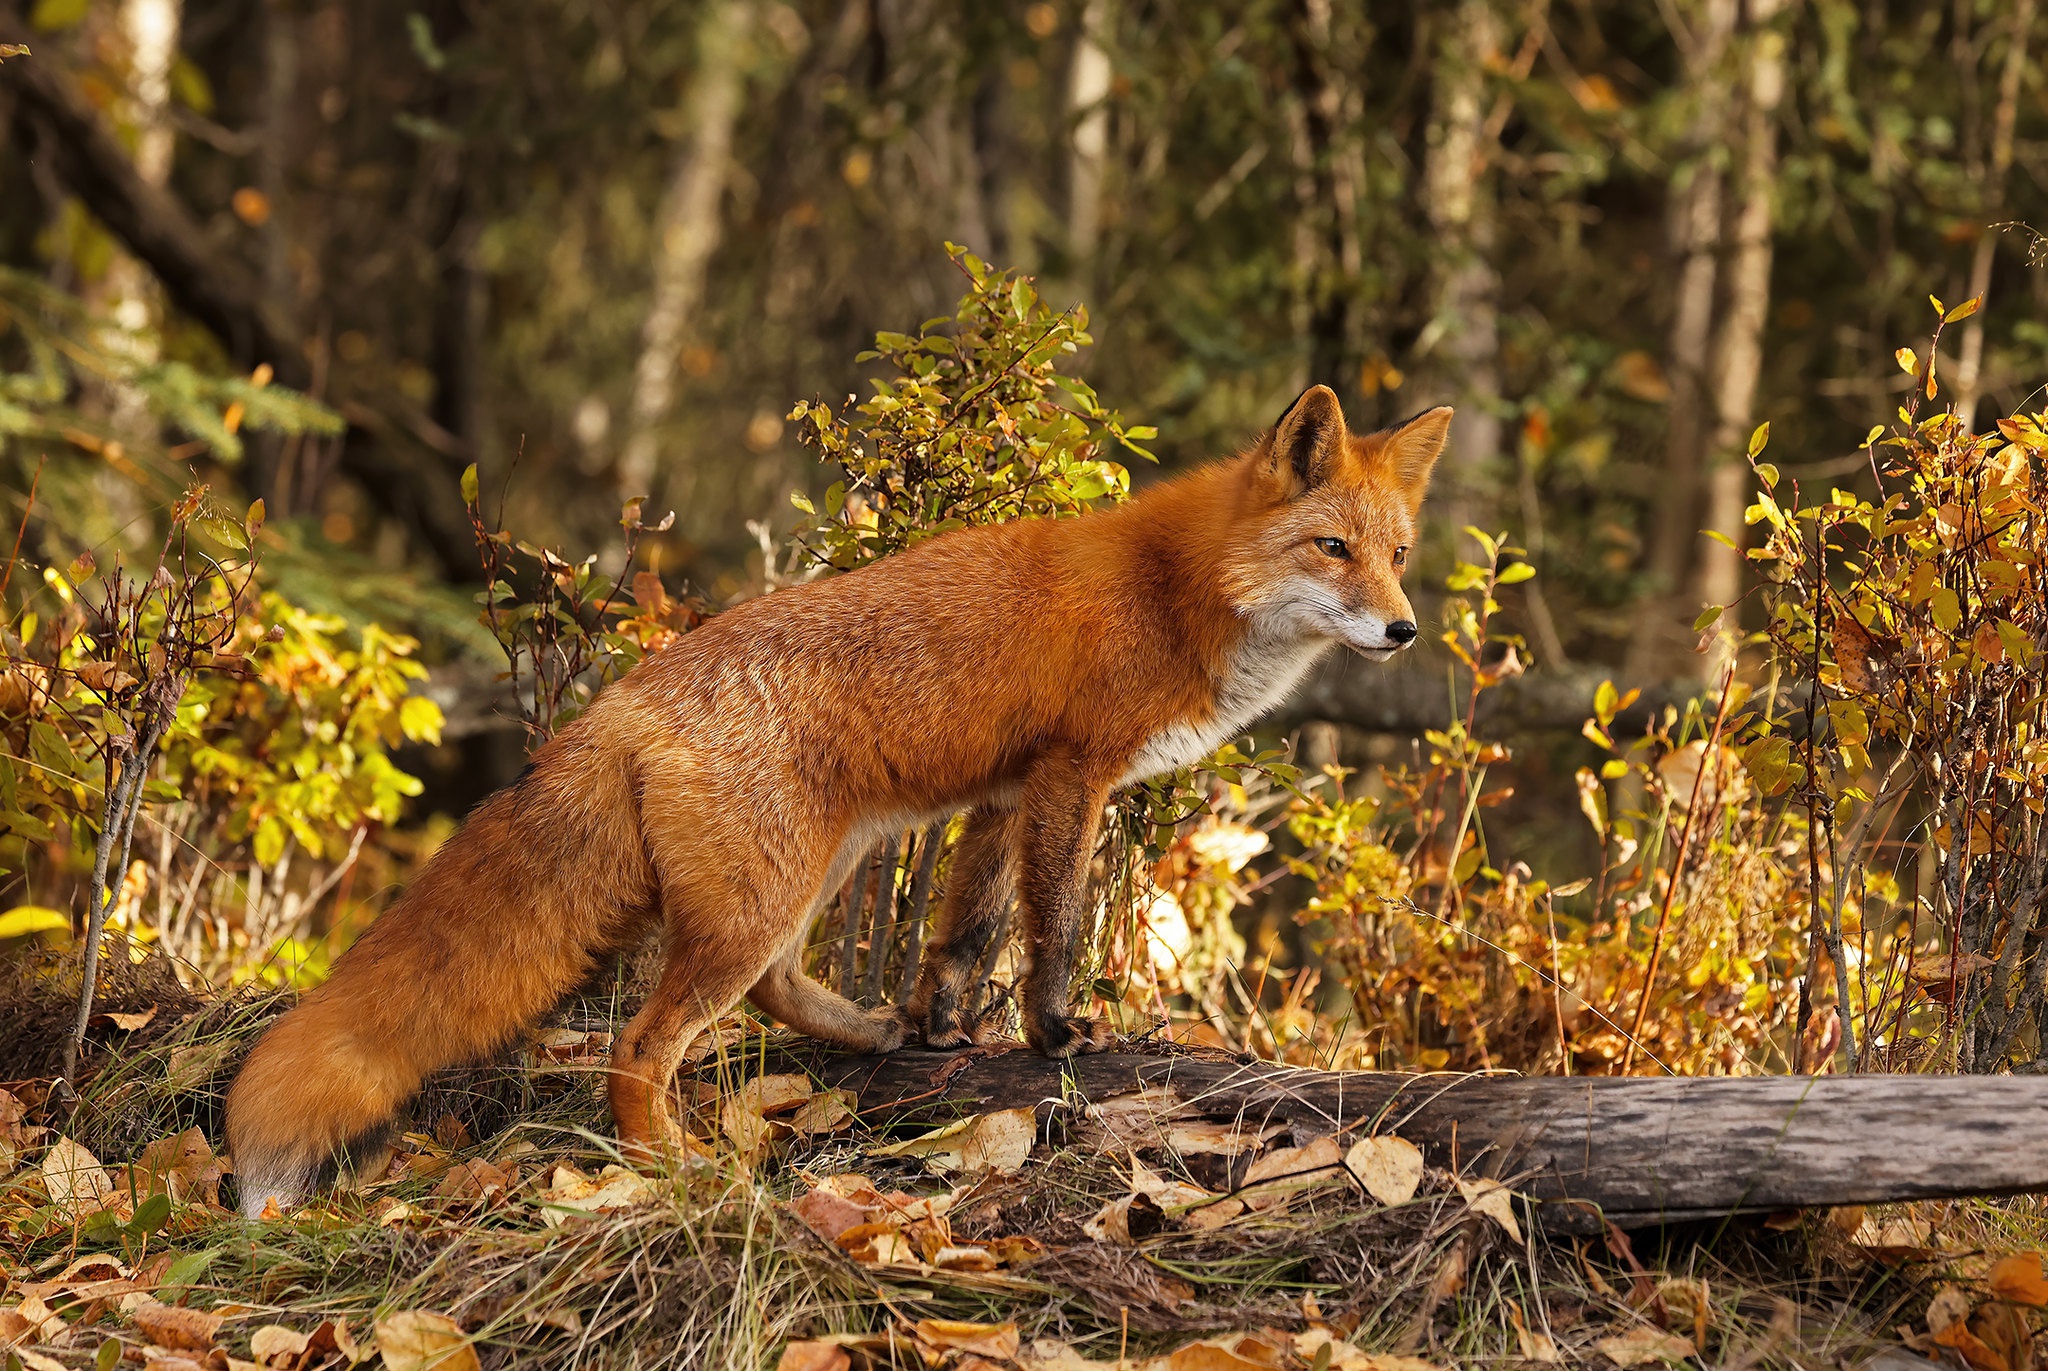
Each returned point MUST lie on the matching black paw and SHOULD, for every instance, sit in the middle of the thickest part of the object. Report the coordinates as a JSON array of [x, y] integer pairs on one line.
[[1059, 1035]]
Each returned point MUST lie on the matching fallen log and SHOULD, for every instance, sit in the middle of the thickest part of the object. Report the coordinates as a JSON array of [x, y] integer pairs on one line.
[[1638, 1151]]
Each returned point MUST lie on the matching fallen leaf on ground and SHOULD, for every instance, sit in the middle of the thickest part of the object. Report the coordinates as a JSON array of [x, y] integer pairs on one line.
[[1646, 1344], [1231, 1352], [1495, 1201], [828, 1111], [418, 1340], [1949, 1306], [2003, 1329], [29, 1321], [182, 1166], [985, 1339], [395, 1212], [76, 1182], [1688, 1304], [1535, 1344], [615, 1189], [1197, 1139], [472, 1180], [1346, 1357], [275, 1345], [2020, 1278], [1285, 1172], [1974, 1349], [813, 1356], [171, 1325], [828, 1214], [1000, 1142], [33, 1360], [128, 1023], [1389, 1168], [964, 1257]]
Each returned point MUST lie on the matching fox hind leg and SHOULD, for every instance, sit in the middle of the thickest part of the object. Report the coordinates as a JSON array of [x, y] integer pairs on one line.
[[784, 992], [700, 980]]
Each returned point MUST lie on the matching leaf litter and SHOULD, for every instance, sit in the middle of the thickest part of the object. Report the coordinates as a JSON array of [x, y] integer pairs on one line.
[[1121, 1232]]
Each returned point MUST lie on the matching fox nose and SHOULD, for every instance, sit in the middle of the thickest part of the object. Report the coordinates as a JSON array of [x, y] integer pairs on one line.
[[1401, 632]]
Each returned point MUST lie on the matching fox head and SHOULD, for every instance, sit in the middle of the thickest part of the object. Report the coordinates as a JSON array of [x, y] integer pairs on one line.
[[1334, 518]]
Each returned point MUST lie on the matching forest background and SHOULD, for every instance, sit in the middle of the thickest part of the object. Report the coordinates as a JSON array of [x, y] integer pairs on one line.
[[593, 252]]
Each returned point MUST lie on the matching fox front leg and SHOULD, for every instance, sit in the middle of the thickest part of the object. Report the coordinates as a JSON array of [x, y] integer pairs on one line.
[[1059, 816]]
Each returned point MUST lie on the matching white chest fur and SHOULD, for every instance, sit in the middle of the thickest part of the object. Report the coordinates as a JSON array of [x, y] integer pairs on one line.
[[1263, 672]]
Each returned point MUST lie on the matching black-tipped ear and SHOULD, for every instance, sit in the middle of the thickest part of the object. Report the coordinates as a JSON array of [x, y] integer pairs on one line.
[[1309, 438], [1410, 450]]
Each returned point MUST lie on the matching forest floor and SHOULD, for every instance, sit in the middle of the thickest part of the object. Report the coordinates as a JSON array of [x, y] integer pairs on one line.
[[507, 1231]]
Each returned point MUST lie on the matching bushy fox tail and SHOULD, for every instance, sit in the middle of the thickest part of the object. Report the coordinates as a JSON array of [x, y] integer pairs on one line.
[[510, 915]]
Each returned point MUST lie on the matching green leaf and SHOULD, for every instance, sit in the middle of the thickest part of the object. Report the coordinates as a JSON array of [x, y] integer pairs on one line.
[[1706, 619], [151, 1214], [226, 532], [109, 1355], [469, 484]]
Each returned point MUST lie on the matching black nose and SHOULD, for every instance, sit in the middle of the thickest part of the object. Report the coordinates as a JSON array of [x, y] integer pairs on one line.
[[1401, 631]]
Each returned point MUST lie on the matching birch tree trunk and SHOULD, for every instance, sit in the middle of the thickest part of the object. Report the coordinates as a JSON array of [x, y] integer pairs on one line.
[[149, 28], [1738, 344], [1970, 360], [1694, 232], [1088, 80], [687, 232], [1463, 339]]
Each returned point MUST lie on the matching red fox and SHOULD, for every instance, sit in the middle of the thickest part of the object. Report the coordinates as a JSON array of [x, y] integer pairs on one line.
[[726, 786]]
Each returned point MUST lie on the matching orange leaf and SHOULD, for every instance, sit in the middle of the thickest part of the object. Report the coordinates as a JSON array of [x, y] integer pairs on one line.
[[2021, 1279]]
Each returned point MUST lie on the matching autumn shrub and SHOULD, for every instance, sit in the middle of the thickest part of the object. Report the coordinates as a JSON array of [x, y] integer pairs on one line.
[[184, 754], [1906, 628]]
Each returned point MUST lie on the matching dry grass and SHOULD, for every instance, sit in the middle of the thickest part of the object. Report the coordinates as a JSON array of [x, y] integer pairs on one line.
[[716, 1271]]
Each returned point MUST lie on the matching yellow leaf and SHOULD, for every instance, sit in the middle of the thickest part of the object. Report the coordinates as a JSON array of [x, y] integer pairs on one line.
[[1389, 1168], [998, 1142], [1495, 1201], [1646, 1344], [417, 1340], [983, 1339], [25, 919], [76, 1182]]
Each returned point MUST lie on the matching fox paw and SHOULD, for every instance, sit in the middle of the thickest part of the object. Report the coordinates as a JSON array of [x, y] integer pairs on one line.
[[1058, 1035], [950, 1026], [891, 1026]]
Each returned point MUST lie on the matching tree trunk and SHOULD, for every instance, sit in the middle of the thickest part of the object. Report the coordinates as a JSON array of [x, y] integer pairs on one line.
[[1694, 231], [687, 232], [1328, 172], [1088, 106], [1464, 337], [1970, 360], [1738, 345]]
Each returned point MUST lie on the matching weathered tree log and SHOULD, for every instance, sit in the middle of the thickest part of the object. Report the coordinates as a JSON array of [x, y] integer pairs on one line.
[[1408, 697], [1639, 1151]]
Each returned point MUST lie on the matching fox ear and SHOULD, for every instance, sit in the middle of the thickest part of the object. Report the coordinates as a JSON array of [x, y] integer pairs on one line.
[[1308, 441], [1408, 452]]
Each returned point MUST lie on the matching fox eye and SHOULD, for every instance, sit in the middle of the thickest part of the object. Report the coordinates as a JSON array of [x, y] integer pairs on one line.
[[1334, 547], [1400, 556]]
